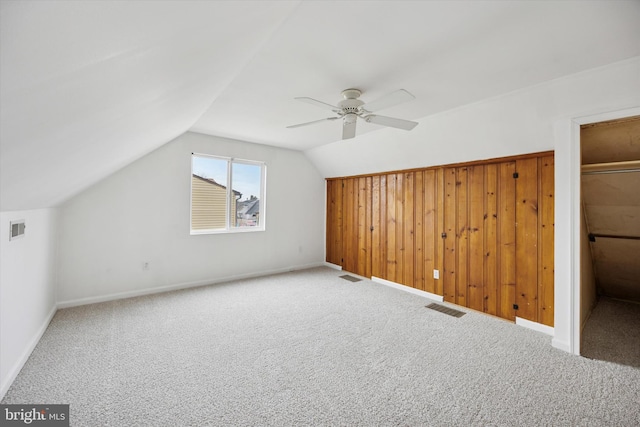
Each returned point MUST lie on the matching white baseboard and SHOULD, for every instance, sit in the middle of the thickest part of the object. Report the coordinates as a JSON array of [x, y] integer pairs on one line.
[[185, 285], [411, 290], [535, 326], [17, 367], [334, 266], [561, 345]]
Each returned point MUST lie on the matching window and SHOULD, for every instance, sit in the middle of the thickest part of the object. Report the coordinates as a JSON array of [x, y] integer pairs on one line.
[[227, 195]]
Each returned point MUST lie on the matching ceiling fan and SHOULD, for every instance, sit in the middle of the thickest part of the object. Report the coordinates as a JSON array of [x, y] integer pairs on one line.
[[351, 108]]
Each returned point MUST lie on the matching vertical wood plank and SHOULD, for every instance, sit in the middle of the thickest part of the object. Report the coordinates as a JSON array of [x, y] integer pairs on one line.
[[527, 239], [462, 234], [392, 243], [399, 227], [353, 229], [329, 222], [350, 232], [449, 265], [506, 240], [338, 244], [362, 227], [439, 242], [475, 297], [491, 240], [369, 225], [419, 265], [431, 236], [546, 242], [382, 266], [408, 240], [375, 223], [345, 216]]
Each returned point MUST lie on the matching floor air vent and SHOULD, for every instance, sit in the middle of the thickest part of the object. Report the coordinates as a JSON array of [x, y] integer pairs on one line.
[[350, 278], [446, 310]]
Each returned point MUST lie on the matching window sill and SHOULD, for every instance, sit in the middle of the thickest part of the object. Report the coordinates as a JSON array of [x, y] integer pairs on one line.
[[227, 231]]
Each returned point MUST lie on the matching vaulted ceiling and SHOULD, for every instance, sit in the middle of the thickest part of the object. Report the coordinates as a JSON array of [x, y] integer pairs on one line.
[[88, 87]]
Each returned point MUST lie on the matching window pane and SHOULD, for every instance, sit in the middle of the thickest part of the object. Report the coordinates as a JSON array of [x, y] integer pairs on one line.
[[208, 193], [247, 185]]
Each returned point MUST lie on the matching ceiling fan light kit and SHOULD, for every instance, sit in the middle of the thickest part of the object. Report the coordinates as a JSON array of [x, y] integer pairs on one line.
[[351, 108]]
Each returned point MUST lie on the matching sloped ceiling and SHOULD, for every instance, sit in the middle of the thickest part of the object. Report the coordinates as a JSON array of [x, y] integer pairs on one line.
[[88, 87]]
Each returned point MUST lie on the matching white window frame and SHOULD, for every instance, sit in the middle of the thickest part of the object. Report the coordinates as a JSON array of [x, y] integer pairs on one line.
[[229, 227]]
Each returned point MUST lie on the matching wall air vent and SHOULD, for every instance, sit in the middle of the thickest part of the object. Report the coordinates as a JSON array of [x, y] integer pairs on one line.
[[17, 229]]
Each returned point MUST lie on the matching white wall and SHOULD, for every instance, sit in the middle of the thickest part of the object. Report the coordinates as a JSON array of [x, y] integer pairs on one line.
[[535, 119], [588, 294], [141, 214], [27, 287]]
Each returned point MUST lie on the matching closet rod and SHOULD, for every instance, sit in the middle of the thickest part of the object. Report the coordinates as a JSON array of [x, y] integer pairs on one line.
[[612, 167]]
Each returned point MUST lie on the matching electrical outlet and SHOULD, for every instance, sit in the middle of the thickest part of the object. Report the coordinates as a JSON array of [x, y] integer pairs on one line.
[[436, 274]]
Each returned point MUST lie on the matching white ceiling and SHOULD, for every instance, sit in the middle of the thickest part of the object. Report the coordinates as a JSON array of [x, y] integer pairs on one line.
[[88, 87]]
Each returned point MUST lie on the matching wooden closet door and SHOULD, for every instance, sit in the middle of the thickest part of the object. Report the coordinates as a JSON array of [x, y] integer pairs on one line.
[[356, 225], [546, 241], [449, 237], [527, 239], [378, 223], [365, 194], [334, 247], [427, 238], [477, 200], [506, 241], [490, 246], [479, 222]]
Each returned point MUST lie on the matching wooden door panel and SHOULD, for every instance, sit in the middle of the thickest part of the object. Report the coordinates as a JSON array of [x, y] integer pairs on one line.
[[506, 240], [376, 233], [350, 225], [477, 197], [334, 222], [546, 243], [419, 219], [391, 243], [440, 194], [490, 290], [363, 231], [408, 227], [448, 275], [431, 236], [399, 202], [462, 236], [527, 239]]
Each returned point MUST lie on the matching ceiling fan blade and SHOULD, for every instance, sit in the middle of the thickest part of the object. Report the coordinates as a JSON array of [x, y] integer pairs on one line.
[[311, 123], [318, 103], [394, 98], [349, 129], [390, 121]]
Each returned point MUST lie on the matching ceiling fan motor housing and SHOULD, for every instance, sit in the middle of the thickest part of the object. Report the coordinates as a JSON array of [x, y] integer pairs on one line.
[[351, 104], [351, 93], [349, 118]]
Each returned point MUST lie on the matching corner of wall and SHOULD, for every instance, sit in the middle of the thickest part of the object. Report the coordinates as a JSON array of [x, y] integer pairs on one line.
[[27, 288]]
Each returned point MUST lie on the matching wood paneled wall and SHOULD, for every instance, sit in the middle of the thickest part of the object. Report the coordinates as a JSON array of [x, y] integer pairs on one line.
[[486, 227]]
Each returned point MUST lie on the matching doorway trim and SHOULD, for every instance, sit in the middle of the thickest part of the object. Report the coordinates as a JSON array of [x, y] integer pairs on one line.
[[567, 229]]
